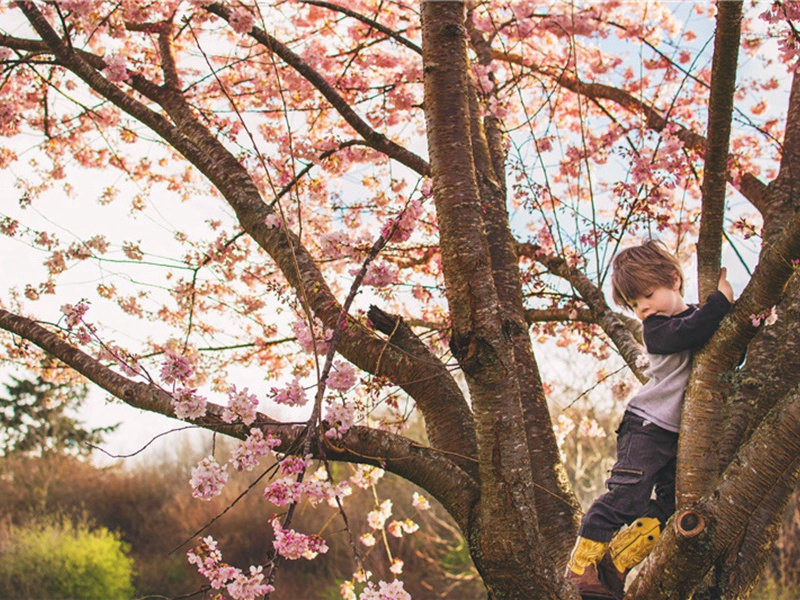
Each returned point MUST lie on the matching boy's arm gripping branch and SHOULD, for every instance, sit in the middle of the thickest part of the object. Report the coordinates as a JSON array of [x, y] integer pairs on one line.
[[688, 330]]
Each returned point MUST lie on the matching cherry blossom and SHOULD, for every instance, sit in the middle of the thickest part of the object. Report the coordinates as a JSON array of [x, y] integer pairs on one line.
[[246, 456], [294, 394], [176, 368], [342, 377], [420, 502], [188, 403], [293, 545], [241, 405], [208, 479]]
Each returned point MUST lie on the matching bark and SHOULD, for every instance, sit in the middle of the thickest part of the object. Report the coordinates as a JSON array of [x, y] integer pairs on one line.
[[701, 427], [720, 110], [504, 540], [430, 469], [423, 376], [557, 507], [697, 536], [771, 370]]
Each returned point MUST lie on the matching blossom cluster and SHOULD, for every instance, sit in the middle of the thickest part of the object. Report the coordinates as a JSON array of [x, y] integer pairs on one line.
[[219, 574], [188, 404], [399, 229], [342, 377], [292, 395], [339, 417], [248, 454], [176, 368], [312, 340], [208, 479], [74, 313], [241, 405], [385, 591], [293, 545]]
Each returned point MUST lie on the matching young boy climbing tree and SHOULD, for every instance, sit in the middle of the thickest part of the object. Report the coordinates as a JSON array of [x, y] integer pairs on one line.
[[647, 280]]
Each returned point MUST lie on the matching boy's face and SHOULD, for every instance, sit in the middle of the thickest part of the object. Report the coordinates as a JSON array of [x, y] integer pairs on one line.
[[661, 300]]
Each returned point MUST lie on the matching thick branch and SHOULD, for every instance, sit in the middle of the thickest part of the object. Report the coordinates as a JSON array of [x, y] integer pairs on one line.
[[426, 467], [557, 508], [375, 140], [679, 562], [720, 110], [480, 340], [698, 456]]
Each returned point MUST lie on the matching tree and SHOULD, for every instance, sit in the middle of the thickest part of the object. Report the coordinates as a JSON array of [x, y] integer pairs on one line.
[[553, 137], [37, 418]]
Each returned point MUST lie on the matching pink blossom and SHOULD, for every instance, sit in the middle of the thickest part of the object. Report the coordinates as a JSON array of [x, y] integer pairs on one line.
[[366, 476], [188, 404], [241, 405], [342, 377], [292, 465], [219, 574], [376, 518], [385, 591], [378, 274], [241, 21], [293, 545], [397, 566], [246, 455], [176, 368], [395, 529], [400, 229], [312, 340], [367, 539], [408, 526], [642, 361], [283, 491], [273, 221], [208, 479], [340, 418], [74, 313], [116, 70], [292, 395]]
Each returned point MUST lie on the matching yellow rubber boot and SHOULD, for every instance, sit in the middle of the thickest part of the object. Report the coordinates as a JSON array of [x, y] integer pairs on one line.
[[627, 549], [582, 568]]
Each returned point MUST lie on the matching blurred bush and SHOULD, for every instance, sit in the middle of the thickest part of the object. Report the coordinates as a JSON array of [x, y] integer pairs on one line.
[[61, 560]]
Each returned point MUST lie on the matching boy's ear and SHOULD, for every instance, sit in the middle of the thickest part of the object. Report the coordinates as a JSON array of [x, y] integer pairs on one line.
[[677, 283]]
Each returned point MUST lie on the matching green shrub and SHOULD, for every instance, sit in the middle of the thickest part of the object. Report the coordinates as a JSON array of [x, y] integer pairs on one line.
[[61, 560]]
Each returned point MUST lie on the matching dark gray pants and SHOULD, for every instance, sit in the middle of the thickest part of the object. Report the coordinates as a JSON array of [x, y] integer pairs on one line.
[[646, 456]]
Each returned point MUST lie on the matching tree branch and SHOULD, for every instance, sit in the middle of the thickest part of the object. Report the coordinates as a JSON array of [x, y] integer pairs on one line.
[[698, 456], [375, 140], [366, 20], [432, 470], [614, 327], [720, 110]]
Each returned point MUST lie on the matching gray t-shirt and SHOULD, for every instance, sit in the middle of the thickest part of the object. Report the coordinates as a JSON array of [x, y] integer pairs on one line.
[[670, 342]]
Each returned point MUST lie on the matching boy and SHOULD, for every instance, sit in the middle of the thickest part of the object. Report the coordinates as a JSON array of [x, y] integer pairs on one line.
[[647, 280]]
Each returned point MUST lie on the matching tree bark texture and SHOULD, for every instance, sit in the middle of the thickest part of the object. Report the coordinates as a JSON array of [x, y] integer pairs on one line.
[[720, 109]]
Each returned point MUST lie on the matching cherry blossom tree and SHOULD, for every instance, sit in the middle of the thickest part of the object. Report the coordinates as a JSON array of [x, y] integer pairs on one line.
[[380, 205]]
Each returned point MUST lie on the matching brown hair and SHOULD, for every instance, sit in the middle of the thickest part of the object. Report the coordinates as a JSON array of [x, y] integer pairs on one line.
[[639, 269]]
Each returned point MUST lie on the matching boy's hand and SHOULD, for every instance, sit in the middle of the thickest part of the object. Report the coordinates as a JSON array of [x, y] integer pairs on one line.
[[724, 285]]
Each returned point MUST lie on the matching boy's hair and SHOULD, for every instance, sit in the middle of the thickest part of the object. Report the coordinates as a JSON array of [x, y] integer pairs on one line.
[[640, 269]]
